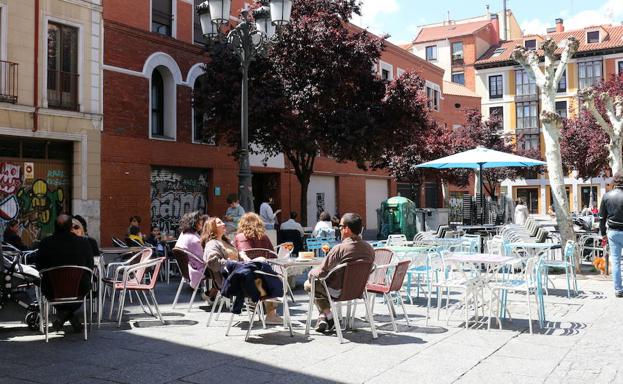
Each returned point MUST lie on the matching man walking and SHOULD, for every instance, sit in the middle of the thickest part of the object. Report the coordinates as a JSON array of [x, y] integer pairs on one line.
[[611, 212]]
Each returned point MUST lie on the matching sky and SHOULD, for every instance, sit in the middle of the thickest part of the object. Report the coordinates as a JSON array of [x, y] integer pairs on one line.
[[401, 18]]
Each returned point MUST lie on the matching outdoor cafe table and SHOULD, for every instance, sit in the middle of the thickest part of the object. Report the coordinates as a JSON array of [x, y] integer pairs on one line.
[[532, 248], [287, 263], [492, 263]]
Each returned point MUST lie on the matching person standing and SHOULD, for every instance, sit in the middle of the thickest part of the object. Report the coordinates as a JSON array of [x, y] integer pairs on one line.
[[611, 213], [521, 212], [266, 213]]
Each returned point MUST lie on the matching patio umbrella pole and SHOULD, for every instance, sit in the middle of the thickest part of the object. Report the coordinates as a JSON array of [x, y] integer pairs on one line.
[[482, 205]]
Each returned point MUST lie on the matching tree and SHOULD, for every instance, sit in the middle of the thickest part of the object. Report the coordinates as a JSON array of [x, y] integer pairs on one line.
[[605, 103], [583, 146], [547, 82], [314, 93]]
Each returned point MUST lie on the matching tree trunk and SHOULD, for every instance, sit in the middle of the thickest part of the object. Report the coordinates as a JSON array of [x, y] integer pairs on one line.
[[614, 147], [445, 192], [303, 198]]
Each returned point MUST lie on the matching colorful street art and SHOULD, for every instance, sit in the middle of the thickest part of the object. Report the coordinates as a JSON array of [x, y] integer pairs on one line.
[[174, 192], [39, 203], [10, 179]]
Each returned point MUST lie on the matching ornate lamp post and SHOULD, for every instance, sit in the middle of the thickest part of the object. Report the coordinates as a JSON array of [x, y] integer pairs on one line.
[[247, 40]]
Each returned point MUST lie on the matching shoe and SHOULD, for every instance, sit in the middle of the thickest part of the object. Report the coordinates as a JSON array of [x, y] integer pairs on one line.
[[274, 320], [207, 298], [322, 325], [57, 325], [619, 294], [76, 324], [330, 325]]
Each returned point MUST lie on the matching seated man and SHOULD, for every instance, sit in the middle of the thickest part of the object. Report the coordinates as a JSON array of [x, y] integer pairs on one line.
[[352, 248], [292, 224], [11, 236], [65, 248]]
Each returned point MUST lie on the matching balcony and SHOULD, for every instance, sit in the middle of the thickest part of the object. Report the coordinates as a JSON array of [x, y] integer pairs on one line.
[[8, 82], [63, 90], [457, 60]]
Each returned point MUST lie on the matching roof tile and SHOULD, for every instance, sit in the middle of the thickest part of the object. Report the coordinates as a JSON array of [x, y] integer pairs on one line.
[[449, 31]]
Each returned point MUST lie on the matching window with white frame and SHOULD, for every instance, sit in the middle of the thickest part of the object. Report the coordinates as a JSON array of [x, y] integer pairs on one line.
[[561, 109], [620, 67], [457, 53], [562, 84], [62, 71], [592, 37], [433, 94], [162, 104], [431, 52], [530, 44], [496, 87], [386, 71], [162, 17], [527, 131], [458, 77], [589, 73], [497, 113], [524, 84]]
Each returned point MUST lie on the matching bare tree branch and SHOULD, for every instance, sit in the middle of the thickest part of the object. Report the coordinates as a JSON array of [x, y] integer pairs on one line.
[[588, 100], [529, 61]]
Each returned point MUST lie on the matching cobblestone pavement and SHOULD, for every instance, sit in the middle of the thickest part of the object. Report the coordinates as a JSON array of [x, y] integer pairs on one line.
[[581, 343]]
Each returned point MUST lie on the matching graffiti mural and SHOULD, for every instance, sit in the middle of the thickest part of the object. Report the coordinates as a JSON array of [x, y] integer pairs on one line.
[[10, 179], [40, 204], [174, 192]]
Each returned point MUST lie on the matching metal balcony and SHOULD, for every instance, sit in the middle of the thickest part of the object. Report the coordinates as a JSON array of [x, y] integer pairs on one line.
[[8, 82]]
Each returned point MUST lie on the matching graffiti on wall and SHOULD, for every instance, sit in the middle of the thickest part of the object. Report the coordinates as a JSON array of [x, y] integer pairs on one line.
[[39, 203], [10, 179], [175, 192]]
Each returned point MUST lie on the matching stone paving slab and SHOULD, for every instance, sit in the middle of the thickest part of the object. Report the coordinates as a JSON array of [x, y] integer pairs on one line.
[[582, 342]]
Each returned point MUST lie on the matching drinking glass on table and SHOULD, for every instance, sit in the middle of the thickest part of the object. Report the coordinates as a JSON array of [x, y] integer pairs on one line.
[[325, 248]]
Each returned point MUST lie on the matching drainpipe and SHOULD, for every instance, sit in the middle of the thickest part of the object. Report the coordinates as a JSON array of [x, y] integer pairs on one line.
[[35, 117]]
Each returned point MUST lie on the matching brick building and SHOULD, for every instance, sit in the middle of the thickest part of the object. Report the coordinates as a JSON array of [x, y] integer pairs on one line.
[[153, 164]]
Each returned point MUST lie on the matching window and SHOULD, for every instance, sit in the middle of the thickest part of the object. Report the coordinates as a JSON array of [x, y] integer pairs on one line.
[[385, 74], [458, 78], [530, 44], [620, 65], [431, 52], [457, 53], [497, 113], [62, 67], [562, 84], [162, 16], [498, 52], [528, 125], [561, 108], [197, 31], [524, 84], [496, 89], [433, 98], [585, 196], [589, 73], [592, 37], [531, 197], [157, 104]]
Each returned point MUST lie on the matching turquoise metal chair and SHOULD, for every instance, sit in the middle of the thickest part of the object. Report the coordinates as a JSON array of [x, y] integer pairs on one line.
[[568, 264]]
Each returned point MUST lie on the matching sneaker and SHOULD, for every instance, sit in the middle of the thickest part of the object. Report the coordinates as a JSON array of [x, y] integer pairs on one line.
[[330, 325], [76, 324], [619, 294], [322, 324]]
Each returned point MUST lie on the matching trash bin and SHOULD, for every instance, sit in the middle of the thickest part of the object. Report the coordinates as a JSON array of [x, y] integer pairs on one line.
[[397, 216]]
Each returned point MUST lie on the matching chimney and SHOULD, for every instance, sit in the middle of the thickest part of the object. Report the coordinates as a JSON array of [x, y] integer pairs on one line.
[[560, 27], [495, 21]]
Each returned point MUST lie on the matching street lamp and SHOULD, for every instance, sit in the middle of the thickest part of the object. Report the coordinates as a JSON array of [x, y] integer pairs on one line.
[[247, 40]]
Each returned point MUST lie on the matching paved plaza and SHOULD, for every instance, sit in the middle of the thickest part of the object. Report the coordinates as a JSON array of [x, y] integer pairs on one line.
[[581, 344]]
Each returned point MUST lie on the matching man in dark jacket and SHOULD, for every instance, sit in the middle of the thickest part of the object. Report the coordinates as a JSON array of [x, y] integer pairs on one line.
[[65, 248], [611, 212]]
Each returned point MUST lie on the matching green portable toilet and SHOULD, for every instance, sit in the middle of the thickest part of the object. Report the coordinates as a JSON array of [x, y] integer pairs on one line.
[[397, 216]]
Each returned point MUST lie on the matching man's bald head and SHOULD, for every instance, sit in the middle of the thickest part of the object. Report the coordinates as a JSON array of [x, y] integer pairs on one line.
[[63, 223]]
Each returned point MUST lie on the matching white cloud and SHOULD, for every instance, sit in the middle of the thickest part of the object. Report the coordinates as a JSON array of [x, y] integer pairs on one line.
[[370, 12], [609, 13]]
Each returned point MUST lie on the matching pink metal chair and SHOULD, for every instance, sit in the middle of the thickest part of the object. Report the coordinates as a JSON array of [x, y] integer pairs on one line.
[[182, 257], [141, 277], [394, 285], [64, 282], [354, 277], [382, 256]]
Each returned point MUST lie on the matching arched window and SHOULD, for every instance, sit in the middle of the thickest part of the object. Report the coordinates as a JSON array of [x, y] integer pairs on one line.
[[163, 115], [157, 104]]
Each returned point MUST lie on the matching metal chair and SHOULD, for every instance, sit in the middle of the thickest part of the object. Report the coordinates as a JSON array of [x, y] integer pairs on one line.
[[568, 264], [182, 257], [119, 243], [64, 281], [355, 276], [394, 286], [254, 253]]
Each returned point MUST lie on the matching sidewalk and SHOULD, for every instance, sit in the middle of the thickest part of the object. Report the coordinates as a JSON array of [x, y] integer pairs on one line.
[[580, 344]]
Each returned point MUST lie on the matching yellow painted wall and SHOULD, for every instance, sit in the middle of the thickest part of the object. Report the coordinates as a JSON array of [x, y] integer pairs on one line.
[[572, 78]]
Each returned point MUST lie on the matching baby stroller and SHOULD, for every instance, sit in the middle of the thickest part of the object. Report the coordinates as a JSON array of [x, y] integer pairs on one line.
[[17, 279]]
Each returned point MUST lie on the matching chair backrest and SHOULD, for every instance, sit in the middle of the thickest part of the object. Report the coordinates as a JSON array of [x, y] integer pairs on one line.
[[354, 279], [382, 256], [396, 240], [312, 244], [133, 243], [64, 282], [569, 252], [135, 273], [181, 257], [494, 246], [145, 255], [118, 243], [260, 252], [399, 275]]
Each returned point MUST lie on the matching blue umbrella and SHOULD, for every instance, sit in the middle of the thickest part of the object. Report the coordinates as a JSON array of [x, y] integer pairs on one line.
[[480, 158]]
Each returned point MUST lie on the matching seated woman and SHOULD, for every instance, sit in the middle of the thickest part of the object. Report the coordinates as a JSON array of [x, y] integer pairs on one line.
[[11, 236], [135, 235], [252, 234], [190, 241], [217, 248], [324, 226], [79, 228]]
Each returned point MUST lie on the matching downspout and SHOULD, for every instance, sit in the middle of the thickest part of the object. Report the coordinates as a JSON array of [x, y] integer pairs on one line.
[[35, 117]]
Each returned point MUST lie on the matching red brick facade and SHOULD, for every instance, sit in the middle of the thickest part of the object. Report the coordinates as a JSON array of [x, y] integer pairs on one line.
[[128, 154]]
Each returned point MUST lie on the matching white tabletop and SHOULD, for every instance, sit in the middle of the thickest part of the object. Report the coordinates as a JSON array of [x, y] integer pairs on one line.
[[480, 258]]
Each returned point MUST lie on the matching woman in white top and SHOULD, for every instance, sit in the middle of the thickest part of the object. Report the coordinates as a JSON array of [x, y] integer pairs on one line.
[[266, 213], [521, 213], [324, 227]]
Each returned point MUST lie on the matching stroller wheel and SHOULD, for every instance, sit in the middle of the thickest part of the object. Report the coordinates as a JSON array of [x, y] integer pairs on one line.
[[32, 320]]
